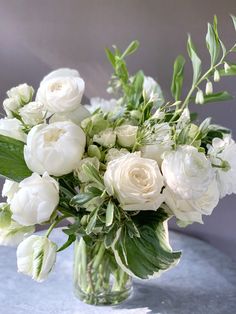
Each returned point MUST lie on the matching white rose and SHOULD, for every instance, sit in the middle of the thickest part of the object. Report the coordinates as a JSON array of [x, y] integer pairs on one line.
[[56, 148], [159, 142], [61, 91], [114, 153], [153, 91], [23, 93], [136, 182], [106, 138], [189, 211], [126, 135], [36, 257], [11, 105], [75, 116], [222, 153], [35, 200], [187, 172], [9, 189], [12, 128], [33, 113], [14, 234], [103, 104]]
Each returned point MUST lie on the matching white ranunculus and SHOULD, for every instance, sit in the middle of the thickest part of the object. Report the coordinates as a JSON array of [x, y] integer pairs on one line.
[[23, 93], [56, 148], [36, 257], [9, 189], [35, 200], [114, 153], [158, 143], [75, 116], [189, 211], [33, 113], [14, 234], [12, 128], [11, 105], [222, 153], [61, 91], [135, 181], [126, 135], [106, 138], [153, 91], [187, 172], [103, 104]]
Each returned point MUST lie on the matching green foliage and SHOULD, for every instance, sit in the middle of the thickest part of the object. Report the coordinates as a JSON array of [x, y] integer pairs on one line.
[[221, 96], [5, 216], [70, 240], [178, 77], [196, 61], [213, 43], [12, 163], [110, 213], [234, 21]]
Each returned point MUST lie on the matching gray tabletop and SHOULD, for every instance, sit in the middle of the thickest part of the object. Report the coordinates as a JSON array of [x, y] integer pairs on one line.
[[204, 282]]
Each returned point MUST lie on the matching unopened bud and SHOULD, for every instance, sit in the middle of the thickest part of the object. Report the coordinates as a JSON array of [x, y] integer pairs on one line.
[[216, 76], [226, 67], [199, 97], [209, 88]]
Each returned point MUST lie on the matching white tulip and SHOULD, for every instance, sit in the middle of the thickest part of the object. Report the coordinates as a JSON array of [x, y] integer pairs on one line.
[[153, 91], [12, 128], [106, 138], [36, 257], [56, 148], [187, 172], [61, 91], [11, 105], [33, 113], [14, 234], [23, 93], [9, 189], [103, 104], [136, 182], [126, 135], [35, 200], [222, 153]]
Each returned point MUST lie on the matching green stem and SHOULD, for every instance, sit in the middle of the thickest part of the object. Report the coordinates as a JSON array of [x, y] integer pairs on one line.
[[54, 224]]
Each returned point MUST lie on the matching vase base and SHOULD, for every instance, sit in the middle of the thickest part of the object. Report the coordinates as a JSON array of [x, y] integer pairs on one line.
[[112, 298]]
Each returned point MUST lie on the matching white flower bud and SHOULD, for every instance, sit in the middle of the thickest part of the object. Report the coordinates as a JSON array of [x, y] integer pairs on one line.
[[209, 88], [23, 93], [226, 67], [126, 135], [10, 105], [36, 257], [106, 138], [199, 97], [216, 76]]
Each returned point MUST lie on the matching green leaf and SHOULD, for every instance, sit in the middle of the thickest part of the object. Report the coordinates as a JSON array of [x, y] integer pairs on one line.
[[92, 220], [93, 174], [5, 217], [133, 46], [196, 61], [12, 163], [70, 240], [110, 213], [221, 96], [234, 20], [230, 72], [178, 76], [81, 199], [110, 57], [147, 255], [213, 44]]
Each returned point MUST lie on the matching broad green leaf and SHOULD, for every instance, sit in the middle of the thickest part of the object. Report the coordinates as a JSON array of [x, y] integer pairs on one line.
[[213, 44], [196, 61], [12, 163], [148, 255], [234, 20], [93, 174], [92, 220], [133, 46], [5, 217], [110, 213], [221, 96], [70, 240], [178, 76]]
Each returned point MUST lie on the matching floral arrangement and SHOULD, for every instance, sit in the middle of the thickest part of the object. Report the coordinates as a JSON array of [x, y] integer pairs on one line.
[[114, 170]]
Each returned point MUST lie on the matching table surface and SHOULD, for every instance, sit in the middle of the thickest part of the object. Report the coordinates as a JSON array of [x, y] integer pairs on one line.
[[204, 282]]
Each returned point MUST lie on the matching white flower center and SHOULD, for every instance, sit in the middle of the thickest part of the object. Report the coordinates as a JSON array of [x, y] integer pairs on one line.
[[56, 86], [53, 135]]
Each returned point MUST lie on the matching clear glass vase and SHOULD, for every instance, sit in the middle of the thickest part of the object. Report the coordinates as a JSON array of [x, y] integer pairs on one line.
[[98, 279]]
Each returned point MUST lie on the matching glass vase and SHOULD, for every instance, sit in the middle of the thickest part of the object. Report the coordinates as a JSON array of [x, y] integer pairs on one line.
[[98, 279]]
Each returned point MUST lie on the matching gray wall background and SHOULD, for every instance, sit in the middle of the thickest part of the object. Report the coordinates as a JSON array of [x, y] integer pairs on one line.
[[38, 36]]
